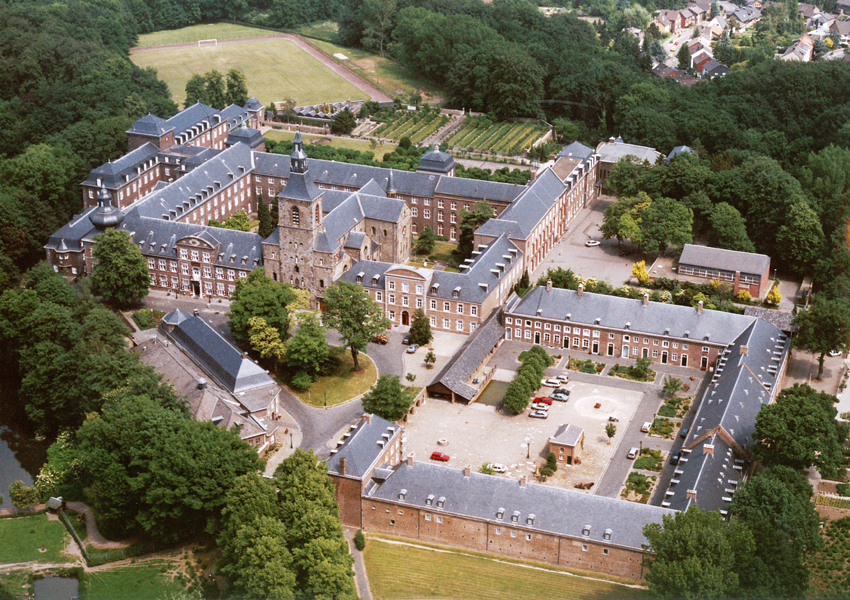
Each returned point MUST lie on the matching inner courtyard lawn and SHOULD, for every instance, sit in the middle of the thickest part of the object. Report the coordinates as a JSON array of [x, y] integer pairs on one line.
[[22, 538], [343, 384]]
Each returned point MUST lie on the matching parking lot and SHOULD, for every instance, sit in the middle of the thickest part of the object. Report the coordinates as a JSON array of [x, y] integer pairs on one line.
[[477, 434]]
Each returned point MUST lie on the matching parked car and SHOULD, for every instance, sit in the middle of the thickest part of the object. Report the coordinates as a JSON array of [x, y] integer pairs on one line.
[[412, 348], [543, 400], [632, 453], [645, 427], [498, 468], [684, 433], [406, 340], [591, 243], [613, 419], [441, 456], [551, 382], [835, 352], [539, 414], [380, 339], [563, 378], [674, 458], [539, 406], [562, 395]]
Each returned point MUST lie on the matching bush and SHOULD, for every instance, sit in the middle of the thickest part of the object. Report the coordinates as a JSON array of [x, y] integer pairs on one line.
[[301, 381], [552, 462], [744, 296], [359, 540], [143, 318], [843, 489]]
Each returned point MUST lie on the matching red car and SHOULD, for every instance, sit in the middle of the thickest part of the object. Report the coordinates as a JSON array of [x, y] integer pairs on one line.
[[544, 400], [440, 456]]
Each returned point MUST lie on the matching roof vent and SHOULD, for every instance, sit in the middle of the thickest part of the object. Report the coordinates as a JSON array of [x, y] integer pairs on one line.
[[202, 383]]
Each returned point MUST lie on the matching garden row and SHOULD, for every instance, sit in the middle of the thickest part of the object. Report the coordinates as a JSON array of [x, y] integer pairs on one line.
[[481, 134], [416, 125]]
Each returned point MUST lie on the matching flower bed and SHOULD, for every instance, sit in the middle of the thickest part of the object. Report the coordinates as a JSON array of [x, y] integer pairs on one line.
[[662, 427], [585, 366], [675, 407], [628, 373], [638, 487], [649, 460]]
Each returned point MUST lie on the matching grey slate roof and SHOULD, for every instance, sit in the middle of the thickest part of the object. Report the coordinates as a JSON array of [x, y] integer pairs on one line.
[[724, 260], [361, 447], [477, 281], [654, 318], [531, 206], [714, 477], [150, 125], [70, 235], [611, 152], [112, 173], [436, 161], [246, 135], [253, 104], [463, 364], [568, 435], [190, 116], [555, 510], [370, 269], [474, 188], [576, 150], [217, 356], [678, 150], [300, 187]]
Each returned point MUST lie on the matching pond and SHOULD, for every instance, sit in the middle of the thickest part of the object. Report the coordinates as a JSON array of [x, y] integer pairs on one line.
[[21, 456], [56, 588], [493, 393]]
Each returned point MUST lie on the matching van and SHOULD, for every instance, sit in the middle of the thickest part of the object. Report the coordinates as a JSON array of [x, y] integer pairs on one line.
[[632, 453]]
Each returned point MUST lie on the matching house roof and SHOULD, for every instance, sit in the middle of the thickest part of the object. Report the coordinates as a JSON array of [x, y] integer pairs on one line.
[[435, 161], [362, 445], [782, 320], [150, 125], [724, 260], [576, 150], [122, 170], [463, 364], [567, 435], [612, 151], [679, 150], [551, 509], [530, 207]]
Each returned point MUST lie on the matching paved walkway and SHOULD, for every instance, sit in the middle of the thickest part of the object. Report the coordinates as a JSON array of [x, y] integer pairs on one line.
[[334, 66], [361, 579]]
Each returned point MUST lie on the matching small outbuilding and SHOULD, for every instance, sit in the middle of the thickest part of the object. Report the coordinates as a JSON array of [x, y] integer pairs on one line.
[[567, 443]]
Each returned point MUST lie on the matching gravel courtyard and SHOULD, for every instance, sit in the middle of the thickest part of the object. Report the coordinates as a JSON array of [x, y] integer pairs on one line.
[[476, 434]]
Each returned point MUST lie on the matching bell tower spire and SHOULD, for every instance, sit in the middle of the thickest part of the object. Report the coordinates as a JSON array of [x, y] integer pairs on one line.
[[298, 160]]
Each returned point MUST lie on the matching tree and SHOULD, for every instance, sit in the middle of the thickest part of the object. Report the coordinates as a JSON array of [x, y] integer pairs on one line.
[[195, 90], [22, 496], [215, 94], [308, 349], [666, 223], [729, 229], [470, 220], [641, 368], [801, 238], [640, 273], [610, 430], [684, 57], [622, 219], [262, 564], [696, 554], [237, 88], [657, 52], [265, 340], [377, 17], [121, 272], [776, 507], [267, 225], [237, 221], [259, 296], [430, 359], [568, 131], [359, 540], [343, 122], [388, 398], [823, 327], [671, 386], [426, 240], [351, 311], [799, 430], [420, 328]]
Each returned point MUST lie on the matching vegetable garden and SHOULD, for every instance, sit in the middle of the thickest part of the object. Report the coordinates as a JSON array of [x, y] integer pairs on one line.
[[416, 125], [481, 134]]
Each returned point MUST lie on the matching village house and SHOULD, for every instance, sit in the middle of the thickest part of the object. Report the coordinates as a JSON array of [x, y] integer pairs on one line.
[[567, 443]]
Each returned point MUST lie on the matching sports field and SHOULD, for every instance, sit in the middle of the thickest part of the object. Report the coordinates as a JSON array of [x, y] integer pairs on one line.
[[421, 570], [276, 69]]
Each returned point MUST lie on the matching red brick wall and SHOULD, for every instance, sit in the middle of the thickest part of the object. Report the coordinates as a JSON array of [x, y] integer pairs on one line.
[[348, 497]]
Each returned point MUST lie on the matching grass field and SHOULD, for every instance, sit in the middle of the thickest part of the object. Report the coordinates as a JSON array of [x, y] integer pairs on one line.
[[463, 574], [346, 143], [151, 579], [275, 69], [219, 31], [343, 385], [23, 537]]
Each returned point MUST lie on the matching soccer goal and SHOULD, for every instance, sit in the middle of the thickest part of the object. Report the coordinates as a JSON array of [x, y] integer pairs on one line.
[[207, 43]]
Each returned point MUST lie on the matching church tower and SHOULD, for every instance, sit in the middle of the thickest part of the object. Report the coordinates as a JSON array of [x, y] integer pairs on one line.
[[299, 222]]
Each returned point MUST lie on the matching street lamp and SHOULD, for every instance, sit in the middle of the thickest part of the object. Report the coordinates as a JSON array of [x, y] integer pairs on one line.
[[528, 450], [290, 441]]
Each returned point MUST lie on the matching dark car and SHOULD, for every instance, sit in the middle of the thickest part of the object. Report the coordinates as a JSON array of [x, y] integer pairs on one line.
[[674, 458], [406, 340], [684, 433], [442, 456]]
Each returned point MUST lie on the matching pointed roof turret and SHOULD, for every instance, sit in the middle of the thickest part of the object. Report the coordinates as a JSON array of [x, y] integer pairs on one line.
[[391, 182], [106, 215], [298, 160]]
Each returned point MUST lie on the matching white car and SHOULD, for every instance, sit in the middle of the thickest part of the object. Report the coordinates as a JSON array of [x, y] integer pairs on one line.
[[539, 406], [499, 468], [551, 382], [563, 378], [835, 352], [592, 243], [646, 427]]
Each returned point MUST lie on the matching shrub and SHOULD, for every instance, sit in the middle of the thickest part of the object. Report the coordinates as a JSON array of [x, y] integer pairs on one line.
[[843, 489], [143, 318], [359, 540], [301, 381], [552, 462], [744, 296]]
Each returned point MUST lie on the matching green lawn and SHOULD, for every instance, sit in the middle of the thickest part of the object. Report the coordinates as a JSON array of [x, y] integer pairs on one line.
[[464, 574], [23, 537], [343, 385], [346, 143], [151, 579], [218, 31], [275, 69], [15, 584]]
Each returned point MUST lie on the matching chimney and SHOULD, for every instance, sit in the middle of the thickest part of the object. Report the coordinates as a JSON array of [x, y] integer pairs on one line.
[[202, 383], [342, 465], [548, 285], [467, 470], [367, 418], [745, 350], [691, 495], [523, 481], [699, 307], [410, 459], [244, 355], [708, 449], [580, 289], [645, 299]]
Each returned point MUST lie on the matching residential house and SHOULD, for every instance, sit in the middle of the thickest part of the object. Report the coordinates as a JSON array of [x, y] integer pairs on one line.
[[674, 73], [741, 270], [843, 30], [842, 7], [714, 68], [614, 149], [801, 50], [567, 443], [746, 16]]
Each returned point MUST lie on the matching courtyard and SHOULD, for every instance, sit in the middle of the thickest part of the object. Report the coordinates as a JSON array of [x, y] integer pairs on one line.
[[476, 434]]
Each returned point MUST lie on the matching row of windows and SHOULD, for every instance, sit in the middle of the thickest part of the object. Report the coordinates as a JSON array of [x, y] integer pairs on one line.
[[186, 285], [707, 273], [585, 343]]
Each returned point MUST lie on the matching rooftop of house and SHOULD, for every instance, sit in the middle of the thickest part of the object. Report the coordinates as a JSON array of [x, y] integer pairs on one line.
[[576, 150], [524, 213], [435, 161], [613, 150], [654, 318], [362, 445], [567, 435], [724, 260], [532, 507]]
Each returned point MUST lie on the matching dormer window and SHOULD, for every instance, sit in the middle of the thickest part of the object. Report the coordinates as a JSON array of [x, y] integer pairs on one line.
[[429, 500], [515, 516], [441, 502], [402, 493], [529, 520], [359, 277], [586, 530], [607, 534], [500, 514]]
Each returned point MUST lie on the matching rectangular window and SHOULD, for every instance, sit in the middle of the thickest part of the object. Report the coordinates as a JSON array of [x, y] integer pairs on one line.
[[379, 296], [427, 201], [675, 344], [151, 263], [584, 547], [415, 200], [392, 315], [585, 344], [576, 342], [654, 342], [447, 307], [427, 517], [610, 336], [447, 323], [547, 326], [206, 256], [473, 310], [635, 351], [172, 266], [419, 303], [459, 325], [528, 536], [219, 273], [439, 215], [518, 332], [391, 298], [420, 289], [231, 274], [655, 354], [566, 329], [440, 203], [513, 534], [184, 254], [184, 268], [219, 288], [545, 337], [452, 218], [498, 531], [405, 287], [585, 332], [528, 334], [415, 212], [459, 308], [433, 305], [391, 285], [405, 301], [605, 551], [596, 334], [675, 357], [509, 321], [665, 344], [162, 264], [207, 272], [433, 321]]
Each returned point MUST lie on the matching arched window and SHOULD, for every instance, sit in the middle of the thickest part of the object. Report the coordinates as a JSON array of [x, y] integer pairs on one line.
[[296, 216], [322, 283], [297, 270], [318, 215]]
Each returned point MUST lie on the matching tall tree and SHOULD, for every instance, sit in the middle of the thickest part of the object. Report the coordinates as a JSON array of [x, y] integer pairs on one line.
[[470, 220], [420, 328], [237, 88], [728, 229], [351, 311], [265, 341], [622, 219], [308, 349], [121, 272], [666, 223], [696, 554], [425, 241], [388, 398], [215, 94], [267, 225], [377, 17], [343, 122], [684, 57], [259, 296], [823, 327], [799, 430], [195, 90], [801, 238]]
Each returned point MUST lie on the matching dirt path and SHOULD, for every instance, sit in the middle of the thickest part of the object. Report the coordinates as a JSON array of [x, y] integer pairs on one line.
[[93, 535], [350, 77]]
